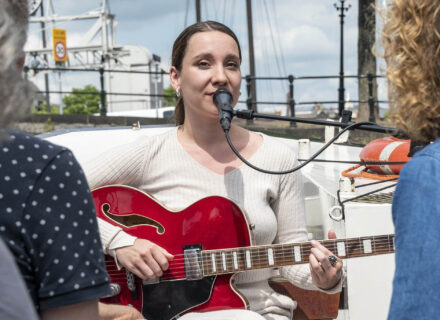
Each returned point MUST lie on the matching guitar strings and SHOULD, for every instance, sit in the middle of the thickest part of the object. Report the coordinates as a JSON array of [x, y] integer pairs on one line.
[[178, 267], [177, 264], [228, 257], [177, 274], [331, 242], [378, 246]]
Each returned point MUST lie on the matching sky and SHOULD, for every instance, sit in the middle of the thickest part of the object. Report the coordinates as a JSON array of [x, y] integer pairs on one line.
[[291, 37]]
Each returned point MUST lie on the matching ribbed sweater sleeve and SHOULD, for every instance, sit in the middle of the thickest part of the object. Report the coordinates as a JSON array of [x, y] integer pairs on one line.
[[120, 165]]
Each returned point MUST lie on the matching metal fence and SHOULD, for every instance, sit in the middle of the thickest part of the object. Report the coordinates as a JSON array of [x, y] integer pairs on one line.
[[250, 104], [372, 99]]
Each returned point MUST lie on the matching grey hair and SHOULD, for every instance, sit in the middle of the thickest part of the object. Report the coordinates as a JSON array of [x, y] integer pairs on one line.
[[16, 93]]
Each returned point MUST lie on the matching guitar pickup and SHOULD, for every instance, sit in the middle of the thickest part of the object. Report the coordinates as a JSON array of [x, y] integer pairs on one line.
[[193, 262]]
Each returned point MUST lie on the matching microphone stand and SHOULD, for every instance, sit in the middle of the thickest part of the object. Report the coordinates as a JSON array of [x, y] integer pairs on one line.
[[222, 99], [345, 122]]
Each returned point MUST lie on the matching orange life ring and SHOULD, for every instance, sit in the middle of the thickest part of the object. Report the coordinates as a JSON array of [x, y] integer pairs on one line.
[[388, 149]]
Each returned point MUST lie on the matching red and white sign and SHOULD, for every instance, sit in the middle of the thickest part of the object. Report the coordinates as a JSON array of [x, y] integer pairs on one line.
[[59, 45]]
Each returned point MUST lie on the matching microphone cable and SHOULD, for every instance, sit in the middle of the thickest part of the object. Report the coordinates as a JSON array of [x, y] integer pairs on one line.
[[222, 100], [349, 127]]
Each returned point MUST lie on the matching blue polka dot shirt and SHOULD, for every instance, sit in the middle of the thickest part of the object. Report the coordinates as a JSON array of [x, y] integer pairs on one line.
[[48, 221]]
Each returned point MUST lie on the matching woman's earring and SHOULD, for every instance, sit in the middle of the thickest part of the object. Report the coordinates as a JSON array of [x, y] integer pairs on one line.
[[178, 93]]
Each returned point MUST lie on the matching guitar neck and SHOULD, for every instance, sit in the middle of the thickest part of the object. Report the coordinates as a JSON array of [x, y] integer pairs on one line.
[[225, 261]]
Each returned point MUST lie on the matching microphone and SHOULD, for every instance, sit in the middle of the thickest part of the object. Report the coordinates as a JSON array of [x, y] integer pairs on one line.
[[223, 99]]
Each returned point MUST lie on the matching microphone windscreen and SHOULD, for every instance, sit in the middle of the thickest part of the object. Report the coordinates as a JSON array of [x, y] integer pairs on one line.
[[222, 97]]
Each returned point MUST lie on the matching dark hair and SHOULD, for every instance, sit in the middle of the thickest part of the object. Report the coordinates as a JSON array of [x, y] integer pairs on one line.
[[179, 50]]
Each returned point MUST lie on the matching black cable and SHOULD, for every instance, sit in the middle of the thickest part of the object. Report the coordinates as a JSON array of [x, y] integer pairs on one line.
[[341, 203], [370, 163], [350, 127], [338, 196], [376, 182], [368, 193]]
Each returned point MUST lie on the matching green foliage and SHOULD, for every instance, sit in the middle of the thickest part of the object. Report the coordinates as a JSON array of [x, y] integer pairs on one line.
[[170, 97], [82, 101], [41, 109]]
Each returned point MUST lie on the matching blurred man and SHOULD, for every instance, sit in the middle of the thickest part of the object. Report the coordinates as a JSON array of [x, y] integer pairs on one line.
[[47, 216]]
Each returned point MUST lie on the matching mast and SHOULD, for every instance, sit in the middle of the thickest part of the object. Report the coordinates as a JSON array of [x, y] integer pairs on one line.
[[251, 55], [198, 11], [46, 76]]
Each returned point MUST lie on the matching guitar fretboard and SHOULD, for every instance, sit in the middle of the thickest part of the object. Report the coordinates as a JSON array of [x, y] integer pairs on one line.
[[225, 261]]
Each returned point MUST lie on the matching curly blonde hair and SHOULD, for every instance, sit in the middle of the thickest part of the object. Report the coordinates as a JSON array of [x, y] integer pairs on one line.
[[411, 41]]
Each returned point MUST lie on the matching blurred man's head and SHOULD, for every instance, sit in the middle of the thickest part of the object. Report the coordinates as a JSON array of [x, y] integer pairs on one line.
[[15, 93]]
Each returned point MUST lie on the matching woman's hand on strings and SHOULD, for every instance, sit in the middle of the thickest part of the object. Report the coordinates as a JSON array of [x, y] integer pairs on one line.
[[144, 258], [324, 274]]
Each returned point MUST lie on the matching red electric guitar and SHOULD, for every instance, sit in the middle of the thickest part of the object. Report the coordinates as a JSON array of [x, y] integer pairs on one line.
[[211, 241]]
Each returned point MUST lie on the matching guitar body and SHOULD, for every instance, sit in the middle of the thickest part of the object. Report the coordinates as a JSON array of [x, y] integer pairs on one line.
[[211, 223]]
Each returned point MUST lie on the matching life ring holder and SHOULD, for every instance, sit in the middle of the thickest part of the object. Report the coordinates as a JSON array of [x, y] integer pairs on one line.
[[364, 174]]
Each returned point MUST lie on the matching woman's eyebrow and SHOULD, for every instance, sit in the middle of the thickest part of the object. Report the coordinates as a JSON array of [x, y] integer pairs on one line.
[[232, 57], [203, 56], [209, 56]]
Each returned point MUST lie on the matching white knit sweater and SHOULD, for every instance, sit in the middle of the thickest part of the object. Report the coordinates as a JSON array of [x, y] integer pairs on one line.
[[160, 166]]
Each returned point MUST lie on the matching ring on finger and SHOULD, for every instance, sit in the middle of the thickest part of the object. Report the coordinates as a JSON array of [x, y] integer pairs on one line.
[[333, 260]]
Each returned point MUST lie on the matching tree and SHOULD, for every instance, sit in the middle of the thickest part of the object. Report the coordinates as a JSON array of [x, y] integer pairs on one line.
[[82, 101], [366, 58], [169, 98], [41, 109]]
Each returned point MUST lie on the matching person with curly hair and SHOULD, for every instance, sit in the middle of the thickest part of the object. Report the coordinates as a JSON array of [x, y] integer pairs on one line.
[[411, 39]]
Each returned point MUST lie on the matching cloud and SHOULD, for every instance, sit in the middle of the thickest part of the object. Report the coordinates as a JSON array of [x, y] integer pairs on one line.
[[307, 42]]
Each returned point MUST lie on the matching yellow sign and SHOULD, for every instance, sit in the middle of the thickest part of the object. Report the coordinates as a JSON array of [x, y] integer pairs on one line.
[[59, 47]]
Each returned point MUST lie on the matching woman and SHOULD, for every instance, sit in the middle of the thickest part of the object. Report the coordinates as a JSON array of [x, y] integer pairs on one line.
[[194, 160], [411, 38]]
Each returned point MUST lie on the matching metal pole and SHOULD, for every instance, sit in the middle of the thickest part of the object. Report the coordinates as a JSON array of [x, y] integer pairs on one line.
[[341, 104], [61, 90], [46, 76], [103, 104], [249, 114], [156, 78], [251, 55], [248, 91], [105, 58], [341, 65], [370, 98], [249, 97], [291, 101], [198, 11]]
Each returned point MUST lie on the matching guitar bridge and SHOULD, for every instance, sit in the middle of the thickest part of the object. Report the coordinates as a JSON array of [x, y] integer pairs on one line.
[[193, 262]]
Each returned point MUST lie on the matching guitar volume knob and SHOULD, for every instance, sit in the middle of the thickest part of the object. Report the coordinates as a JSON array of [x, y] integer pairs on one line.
[[115, 289]]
